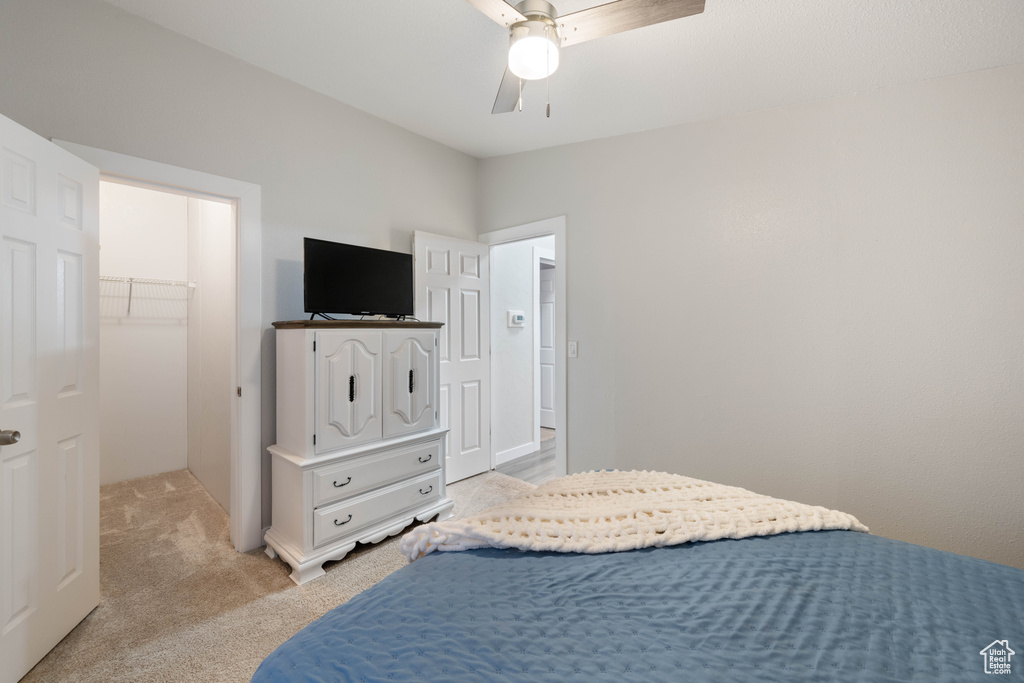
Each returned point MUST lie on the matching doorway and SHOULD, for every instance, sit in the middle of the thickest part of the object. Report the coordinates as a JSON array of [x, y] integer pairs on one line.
[[167, 307], [249, 502], [453, 284], [521, 341], [528, 360]]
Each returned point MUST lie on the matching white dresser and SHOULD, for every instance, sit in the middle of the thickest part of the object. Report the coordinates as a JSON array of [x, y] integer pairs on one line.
[[359, 453]]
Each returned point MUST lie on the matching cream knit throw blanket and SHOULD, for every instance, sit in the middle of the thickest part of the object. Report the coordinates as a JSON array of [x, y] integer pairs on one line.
[[600, 512]]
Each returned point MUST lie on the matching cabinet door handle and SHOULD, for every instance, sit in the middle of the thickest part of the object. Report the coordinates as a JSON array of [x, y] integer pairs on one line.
[[338, 486], [429, 489], [337, 523], [429, 456], [351, 388], [411, 380]]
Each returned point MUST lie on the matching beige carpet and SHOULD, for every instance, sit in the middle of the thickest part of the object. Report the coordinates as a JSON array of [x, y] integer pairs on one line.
[[179, 604]]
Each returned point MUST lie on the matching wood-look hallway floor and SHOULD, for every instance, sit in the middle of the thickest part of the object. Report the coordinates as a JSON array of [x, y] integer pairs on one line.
[[537, 467]]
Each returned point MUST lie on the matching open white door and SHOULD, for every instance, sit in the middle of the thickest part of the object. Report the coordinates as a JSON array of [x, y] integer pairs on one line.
[[49, 479], [452, 287], [547, 355]]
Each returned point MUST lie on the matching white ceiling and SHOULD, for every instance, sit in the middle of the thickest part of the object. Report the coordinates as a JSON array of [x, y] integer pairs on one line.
[[433, 66]]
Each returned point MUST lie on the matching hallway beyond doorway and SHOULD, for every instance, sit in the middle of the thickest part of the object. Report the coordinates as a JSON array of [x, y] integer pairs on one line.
[[537, 467]]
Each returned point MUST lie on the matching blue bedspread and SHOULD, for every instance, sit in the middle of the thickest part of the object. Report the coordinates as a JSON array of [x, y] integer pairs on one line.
[[813, 606]]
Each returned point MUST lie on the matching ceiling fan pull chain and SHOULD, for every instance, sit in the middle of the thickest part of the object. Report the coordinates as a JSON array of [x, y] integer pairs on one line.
[[520, 94], [547, 68]]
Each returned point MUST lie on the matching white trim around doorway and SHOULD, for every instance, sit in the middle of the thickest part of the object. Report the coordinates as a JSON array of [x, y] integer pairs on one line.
[[549, 226], [246, 455]]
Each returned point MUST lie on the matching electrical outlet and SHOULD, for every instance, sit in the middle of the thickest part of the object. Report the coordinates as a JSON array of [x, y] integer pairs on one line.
[[574, 350]]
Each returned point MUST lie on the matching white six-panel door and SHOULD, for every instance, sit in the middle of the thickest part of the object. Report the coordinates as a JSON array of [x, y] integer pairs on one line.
[[49, 480], [452, 287], [547, 347]]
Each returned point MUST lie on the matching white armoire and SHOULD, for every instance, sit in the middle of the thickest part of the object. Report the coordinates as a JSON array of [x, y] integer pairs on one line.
[[359, 452]]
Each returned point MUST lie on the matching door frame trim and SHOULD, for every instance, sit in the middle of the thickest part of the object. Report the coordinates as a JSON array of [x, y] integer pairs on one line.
[[549, 226], [246, 471]]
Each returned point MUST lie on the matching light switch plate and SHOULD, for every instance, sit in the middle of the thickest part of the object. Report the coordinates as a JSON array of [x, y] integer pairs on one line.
[[573, 350]]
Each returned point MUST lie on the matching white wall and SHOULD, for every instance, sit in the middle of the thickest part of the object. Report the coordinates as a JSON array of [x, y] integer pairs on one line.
[[142, 356], [512, 348], [821, 302], [86, 72], [211, 319]]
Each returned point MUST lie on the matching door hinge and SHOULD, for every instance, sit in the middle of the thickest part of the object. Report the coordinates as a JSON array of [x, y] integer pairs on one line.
[[314, 345], [314, 439], [239, 392]]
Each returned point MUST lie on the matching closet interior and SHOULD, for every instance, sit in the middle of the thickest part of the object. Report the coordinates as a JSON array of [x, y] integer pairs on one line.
[[167, 321]]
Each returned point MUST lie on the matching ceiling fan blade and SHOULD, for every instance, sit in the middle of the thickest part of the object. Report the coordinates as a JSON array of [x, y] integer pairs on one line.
[[622, 15], [499, 11], [508, 93]]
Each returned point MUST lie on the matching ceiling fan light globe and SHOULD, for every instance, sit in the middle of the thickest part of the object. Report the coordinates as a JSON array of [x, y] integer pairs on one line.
[[533, 53]]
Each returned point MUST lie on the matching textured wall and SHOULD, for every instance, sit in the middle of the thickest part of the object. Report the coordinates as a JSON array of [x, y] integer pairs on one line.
[[823, 302], [86, 72]]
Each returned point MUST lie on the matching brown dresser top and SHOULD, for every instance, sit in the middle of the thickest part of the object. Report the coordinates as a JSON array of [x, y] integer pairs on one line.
[[352, 324]]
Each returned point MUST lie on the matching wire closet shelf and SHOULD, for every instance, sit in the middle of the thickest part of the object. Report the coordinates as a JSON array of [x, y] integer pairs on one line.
[[132, 281]]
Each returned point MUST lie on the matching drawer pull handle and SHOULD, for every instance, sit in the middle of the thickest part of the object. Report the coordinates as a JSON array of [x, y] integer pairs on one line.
[[351, 388], [411, 376], [429, 489], [338, 486], [337, 523], [427, 459]]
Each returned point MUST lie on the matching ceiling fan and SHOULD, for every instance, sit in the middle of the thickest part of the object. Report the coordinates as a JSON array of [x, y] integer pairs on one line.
[[536, 33]]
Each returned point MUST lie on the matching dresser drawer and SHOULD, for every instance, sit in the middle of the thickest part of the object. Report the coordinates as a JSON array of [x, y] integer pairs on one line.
[[346, 479], [353, 515]]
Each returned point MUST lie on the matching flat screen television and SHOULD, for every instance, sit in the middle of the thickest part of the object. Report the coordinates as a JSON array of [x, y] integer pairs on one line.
[[344, 278]]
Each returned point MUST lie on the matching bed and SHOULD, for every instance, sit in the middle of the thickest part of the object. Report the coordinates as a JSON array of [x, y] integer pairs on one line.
[[828, 605]]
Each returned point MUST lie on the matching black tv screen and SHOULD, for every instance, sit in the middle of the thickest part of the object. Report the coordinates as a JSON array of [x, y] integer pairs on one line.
[[343, 278]]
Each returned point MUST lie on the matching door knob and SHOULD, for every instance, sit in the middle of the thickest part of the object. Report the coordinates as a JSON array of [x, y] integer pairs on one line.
[[9, 437]]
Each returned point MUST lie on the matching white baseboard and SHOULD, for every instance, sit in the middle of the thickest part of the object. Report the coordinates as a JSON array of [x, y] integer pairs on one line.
[[515, 452]]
